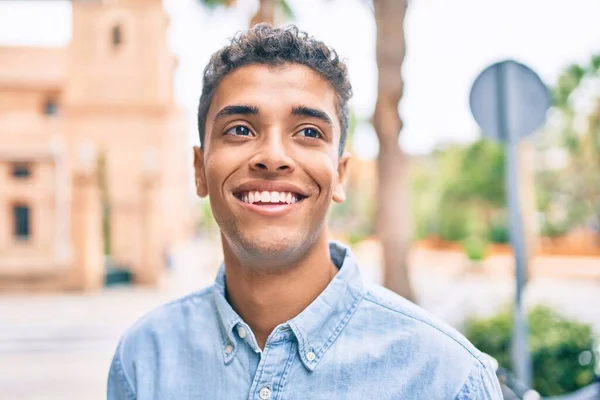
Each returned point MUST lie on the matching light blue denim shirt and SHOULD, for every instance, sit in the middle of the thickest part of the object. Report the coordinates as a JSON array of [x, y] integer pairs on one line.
[[354, 341]]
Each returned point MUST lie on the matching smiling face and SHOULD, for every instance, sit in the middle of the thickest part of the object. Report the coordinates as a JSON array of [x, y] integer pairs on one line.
[[270, 162]]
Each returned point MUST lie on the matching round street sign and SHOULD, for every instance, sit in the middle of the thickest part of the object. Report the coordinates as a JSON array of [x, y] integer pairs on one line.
[[509, 101]]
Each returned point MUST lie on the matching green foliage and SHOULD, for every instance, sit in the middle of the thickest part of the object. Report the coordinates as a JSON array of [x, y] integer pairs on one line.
[[480, 175], [562, 351], [574, 189], [554, 229], [451, 222], [286, 10], [475, 248], [423, 198], [499, 232], [455, 191], [567, 83]]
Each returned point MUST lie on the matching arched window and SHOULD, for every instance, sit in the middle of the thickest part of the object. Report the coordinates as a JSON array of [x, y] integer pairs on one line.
[[116, 36]]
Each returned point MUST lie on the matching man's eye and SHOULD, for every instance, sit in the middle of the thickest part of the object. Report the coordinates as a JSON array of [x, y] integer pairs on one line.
[[239, 130], [310, 132]]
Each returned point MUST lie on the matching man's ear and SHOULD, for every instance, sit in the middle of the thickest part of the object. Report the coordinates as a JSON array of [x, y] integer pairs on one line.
[[339, 195], [200, 175]]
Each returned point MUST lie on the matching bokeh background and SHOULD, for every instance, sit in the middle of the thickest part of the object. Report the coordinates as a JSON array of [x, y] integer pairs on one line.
[[99, 222]]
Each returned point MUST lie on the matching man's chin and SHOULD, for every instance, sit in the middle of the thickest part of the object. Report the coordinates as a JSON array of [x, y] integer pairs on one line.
[[270, 250], [273, 246]]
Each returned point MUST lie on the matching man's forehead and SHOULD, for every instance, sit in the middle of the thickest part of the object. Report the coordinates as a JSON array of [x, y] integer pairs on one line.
[[276, 90], [275, 84]]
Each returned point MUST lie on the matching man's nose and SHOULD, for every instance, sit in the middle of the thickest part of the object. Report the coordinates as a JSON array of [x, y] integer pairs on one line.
[[272, 155]]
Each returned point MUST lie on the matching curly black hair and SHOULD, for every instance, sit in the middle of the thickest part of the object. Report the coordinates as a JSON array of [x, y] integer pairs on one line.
[[263, 44]]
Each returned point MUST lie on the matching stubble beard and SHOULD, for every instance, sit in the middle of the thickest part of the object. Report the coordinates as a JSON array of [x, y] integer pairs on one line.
[[272, 252]]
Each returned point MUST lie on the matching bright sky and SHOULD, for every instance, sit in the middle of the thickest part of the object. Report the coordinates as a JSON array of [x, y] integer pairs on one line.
[[448, 44]]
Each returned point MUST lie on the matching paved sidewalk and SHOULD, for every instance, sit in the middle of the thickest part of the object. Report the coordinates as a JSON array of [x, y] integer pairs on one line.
[[59, 346]]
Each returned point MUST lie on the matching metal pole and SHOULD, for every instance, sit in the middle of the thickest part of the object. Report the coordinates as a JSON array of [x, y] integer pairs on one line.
[[520, 352], [520, 348]]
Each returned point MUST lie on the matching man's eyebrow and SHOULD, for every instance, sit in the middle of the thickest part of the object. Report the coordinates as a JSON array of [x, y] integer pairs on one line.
[[304, 111], [236, 109]]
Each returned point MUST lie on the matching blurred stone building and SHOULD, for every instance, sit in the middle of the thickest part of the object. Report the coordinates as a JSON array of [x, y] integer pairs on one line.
[[92, 152]]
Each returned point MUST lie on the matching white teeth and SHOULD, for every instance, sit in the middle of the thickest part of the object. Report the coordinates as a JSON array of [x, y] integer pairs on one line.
[[269, 197], [265, 197]]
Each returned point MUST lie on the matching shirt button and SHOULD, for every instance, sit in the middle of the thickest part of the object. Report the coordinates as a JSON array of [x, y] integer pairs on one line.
[[241, 332], [265, 393], [228, 349], [310, 356]]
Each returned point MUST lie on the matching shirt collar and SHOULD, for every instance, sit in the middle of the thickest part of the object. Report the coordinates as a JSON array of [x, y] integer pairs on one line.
[[317, 326]]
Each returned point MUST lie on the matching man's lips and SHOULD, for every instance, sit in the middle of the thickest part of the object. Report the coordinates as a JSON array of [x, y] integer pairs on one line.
[[270, 198], [269, 186], [269, 209]]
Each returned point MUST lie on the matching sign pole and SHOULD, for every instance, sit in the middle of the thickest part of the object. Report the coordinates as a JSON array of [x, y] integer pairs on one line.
[[509, 101], [520, 349]]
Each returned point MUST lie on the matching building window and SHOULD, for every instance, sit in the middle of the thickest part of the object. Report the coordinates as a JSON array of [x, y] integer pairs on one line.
[[21, 170], [50, 108], [116, 36], [22, 219]]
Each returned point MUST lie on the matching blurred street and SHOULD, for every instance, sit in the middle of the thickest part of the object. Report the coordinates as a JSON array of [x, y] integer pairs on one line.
[[59, 346]]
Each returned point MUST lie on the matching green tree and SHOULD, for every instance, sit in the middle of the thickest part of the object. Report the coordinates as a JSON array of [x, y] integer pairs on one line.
[[463, 188], [575, 188], [478, 184]]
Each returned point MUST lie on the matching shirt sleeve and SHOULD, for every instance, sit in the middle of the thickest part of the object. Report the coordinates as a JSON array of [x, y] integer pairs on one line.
[[482, 383], [119, 387]]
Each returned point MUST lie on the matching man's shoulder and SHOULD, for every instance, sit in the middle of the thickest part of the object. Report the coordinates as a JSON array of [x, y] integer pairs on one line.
[[169, 320], [424, 329], [167, 332], [433, 351]]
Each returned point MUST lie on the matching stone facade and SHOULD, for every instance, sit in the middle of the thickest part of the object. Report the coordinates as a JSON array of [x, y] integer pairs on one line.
[[92, 152]]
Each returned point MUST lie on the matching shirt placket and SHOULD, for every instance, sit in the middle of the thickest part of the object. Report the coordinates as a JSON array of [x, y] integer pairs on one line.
[[276, 358]]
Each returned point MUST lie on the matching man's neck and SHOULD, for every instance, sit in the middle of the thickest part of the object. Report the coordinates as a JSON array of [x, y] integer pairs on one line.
[[264, 300]]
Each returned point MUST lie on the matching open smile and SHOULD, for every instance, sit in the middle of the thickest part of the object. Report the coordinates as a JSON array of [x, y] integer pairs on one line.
[[269, 203]]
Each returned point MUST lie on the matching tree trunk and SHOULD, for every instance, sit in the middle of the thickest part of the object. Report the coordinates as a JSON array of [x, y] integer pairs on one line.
[[265, 13], [393, 211]]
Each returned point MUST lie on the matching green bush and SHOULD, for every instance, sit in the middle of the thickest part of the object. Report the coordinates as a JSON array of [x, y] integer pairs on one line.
[[562, 351], [452, 223], [553, 229], [475, 248], [499, 233]]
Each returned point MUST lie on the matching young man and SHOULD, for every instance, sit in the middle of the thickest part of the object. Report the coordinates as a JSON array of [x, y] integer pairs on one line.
[[288, 316]]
